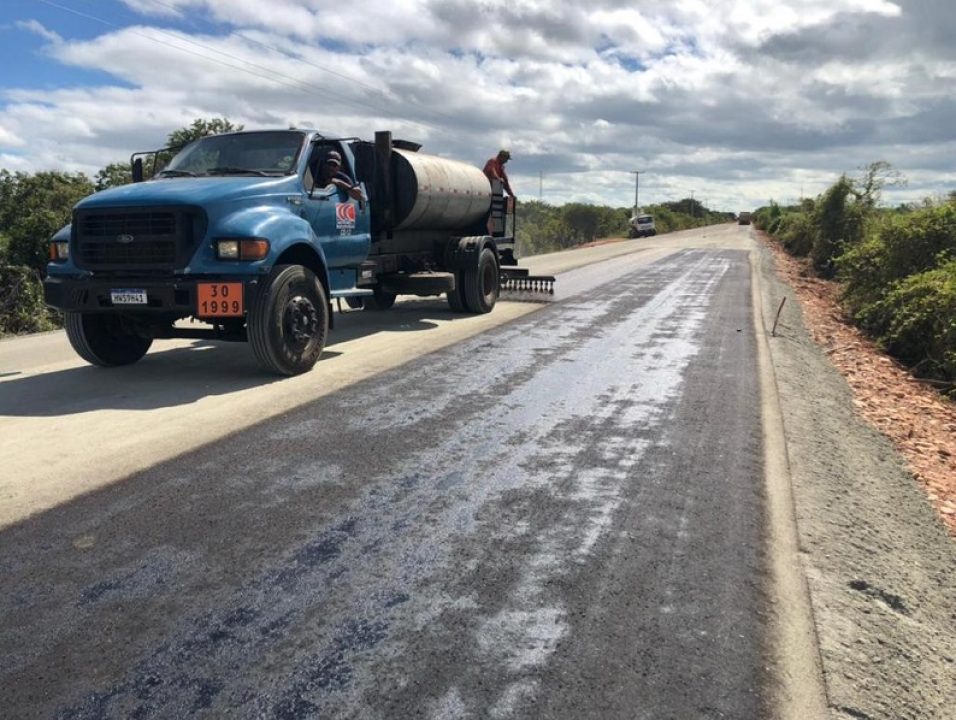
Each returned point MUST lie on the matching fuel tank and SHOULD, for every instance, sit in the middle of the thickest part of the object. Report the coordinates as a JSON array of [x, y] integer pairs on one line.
[[433, 193]]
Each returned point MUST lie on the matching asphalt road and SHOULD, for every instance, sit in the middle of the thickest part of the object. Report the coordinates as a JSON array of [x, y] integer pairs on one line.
[[558, 510]]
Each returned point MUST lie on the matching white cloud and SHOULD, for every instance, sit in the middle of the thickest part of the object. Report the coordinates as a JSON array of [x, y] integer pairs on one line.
[[36, 28], [740, 101]]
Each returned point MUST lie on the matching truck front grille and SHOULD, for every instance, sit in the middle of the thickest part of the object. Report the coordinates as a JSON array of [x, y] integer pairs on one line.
[[136, 238]]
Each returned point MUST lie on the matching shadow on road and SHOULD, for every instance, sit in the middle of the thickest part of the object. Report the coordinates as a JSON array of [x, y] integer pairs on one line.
[[181, 375]]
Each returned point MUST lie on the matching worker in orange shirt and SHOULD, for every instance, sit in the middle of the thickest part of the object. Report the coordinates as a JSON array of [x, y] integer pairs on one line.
[[495, 170]]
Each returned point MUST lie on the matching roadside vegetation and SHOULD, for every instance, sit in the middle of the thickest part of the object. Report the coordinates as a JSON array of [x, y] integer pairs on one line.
[[34, 206], [896, 266], [543, 228]]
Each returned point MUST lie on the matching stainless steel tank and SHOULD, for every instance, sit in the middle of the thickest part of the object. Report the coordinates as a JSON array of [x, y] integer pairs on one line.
[[432, 193]]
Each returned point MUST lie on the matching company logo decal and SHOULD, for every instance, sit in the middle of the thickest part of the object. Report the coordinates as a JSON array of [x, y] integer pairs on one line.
[[344, 216]]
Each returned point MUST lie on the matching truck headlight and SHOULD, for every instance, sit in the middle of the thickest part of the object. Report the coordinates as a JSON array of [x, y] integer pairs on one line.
[[59, 250], [242, 249]]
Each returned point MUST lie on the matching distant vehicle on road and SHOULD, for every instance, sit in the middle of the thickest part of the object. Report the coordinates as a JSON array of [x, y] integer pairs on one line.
[[642, 226], [743, 218]]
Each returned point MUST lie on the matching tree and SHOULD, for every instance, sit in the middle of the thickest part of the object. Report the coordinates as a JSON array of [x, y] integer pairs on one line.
[[583, 219], [116, 174], [113, 175], [200, 128], [876, 176], [32, 208], [837, 225]]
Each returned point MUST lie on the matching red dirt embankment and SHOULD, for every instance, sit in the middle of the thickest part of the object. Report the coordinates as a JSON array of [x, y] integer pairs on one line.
[[920, 423]]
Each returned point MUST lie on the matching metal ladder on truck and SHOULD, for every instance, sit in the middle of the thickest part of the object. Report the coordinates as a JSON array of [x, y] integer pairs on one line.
[[513, 278]]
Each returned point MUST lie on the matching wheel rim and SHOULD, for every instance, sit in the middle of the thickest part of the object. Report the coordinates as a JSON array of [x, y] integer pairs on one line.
[[301, 322]]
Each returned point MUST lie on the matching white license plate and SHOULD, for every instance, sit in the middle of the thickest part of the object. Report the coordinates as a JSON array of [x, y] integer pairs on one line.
[[128, 297]]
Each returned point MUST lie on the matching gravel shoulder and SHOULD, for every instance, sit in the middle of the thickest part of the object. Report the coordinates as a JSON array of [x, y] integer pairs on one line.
[[879, 561]]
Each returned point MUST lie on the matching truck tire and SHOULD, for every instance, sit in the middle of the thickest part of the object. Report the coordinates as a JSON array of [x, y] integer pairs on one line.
[[482, 283], [105, 340], [380, 300], [289, 321], [456, 297]]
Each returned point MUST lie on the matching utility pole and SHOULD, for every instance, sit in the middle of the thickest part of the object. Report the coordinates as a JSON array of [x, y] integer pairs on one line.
[[637, 189], [693, 213]]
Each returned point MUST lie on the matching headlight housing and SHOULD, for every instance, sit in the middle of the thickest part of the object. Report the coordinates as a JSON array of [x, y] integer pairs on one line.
[[59, 250], [242, 249]]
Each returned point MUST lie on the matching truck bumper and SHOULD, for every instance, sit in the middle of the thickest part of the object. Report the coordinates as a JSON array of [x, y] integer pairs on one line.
[[163, 297]]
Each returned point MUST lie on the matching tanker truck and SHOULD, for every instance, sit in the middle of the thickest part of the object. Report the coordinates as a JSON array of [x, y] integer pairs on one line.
[[238, 237]]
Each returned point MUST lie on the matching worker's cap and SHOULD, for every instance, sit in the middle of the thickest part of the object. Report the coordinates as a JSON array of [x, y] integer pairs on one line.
[[504, 152], [333, 158]]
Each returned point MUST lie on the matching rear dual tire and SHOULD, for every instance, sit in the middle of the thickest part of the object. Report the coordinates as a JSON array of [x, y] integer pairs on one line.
[[456, 297], [481, 284]]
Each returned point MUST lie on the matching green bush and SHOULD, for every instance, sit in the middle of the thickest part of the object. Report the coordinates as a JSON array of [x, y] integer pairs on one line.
[[767, 218], [795, 231], [838, 225], [918, 321], [22, 309], [900, 246], [32, 208]]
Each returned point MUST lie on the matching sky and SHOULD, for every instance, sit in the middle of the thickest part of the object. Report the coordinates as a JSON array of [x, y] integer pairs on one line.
[[735, 103]]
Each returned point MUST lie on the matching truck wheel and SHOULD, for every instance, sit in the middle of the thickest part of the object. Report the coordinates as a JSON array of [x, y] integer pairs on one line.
[[289, 322], [105, 340], [355, 302], [456, 297], [380, 300], [482, 283]]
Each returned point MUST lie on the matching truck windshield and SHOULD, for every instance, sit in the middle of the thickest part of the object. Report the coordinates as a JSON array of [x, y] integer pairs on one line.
[[274, 152], [645, 219]]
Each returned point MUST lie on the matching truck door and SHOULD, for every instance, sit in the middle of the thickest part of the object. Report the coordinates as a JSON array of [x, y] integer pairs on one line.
[[341, 223]]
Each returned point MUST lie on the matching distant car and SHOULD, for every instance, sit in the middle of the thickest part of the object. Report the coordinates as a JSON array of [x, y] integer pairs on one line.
[[642, 226], [743, 218]]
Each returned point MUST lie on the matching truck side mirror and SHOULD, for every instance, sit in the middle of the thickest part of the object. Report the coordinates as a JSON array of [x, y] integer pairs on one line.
[[137, 170]]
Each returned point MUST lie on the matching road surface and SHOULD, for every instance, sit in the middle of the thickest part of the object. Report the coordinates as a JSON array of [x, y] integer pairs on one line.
[[559, 509]]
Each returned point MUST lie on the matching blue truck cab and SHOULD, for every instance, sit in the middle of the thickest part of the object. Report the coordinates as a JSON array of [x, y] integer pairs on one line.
[[246, 233]]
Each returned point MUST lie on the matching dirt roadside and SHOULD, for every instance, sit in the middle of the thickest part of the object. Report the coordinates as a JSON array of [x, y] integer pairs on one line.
[[871, 455]]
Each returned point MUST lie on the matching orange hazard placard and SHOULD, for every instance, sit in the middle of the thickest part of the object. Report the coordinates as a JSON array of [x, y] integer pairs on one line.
[[219, 300]]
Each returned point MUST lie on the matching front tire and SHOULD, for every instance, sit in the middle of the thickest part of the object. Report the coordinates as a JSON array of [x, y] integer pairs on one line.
[[289, 322], [482, 283], [105, 340]]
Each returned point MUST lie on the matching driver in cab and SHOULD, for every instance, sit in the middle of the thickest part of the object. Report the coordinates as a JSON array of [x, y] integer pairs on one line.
[[331, 173]]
